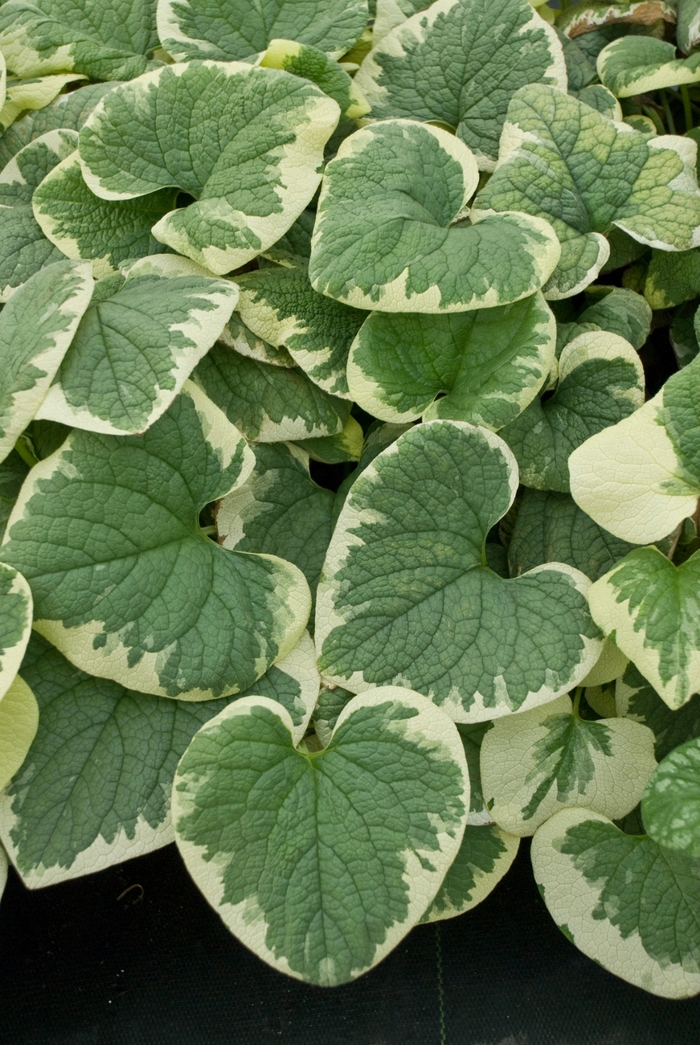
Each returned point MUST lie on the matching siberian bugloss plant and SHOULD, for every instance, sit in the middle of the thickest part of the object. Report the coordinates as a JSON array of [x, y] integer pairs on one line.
[[350, 438]]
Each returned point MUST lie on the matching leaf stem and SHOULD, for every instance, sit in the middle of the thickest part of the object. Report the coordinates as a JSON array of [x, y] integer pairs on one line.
[[670, 123], [24, 449], [687, 108], [208, 531], [674, 542], [578, 693]]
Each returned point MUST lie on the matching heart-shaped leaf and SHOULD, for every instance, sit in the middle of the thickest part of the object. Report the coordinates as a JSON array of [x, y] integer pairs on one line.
[[485, 856], [15, 624], [622, 900], [36, 327], [269, 127], [277, 837], [640, 478], [210, 29], [651, 610], [638, 64], [155, 605], [459, 63], [535, 764], [489, 364], [565, 162], [671, 803], [406, 594], [385, 236], [636, 698], [96, 788], [137, 343]]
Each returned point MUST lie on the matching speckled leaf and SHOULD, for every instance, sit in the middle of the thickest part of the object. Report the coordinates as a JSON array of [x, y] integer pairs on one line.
[[279, 510], [137, 344], [485, 856], [19, 718], [638, 64], [640, 478], [535, 764], [459, 63], [486, 366], [269, 403], [671, 803], [385, 236], [563, 161], [600, 381], [210, 29], [15, 623], [30, 165], [636, 698], [36, 327], [651, 610], [96, 788], [406, 594], [275, 836], [282, 308], [124, 581], [106, 232], [269, 129], [623, 901], [106, 41]]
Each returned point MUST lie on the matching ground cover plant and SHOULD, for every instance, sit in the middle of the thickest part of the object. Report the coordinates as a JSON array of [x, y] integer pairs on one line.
[[350, 463]]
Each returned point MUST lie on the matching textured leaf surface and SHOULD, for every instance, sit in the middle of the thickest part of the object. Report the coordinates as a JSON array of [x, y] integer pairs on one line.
[[312, 64], [624, 902], [636, 698], [638, 64], [246, 143], [136, 345], [19, 718], [13, 472], [336, 449], [600, 381], [651, 610], [671, 804], [237, 335], [535, 764], [459, 63], [490, 363], [15, 623], [36, 328], [282, 308], [210, 29], [640, 478], [384, 239], [320, 863], [622, 312], [106, 41], [406, 594], [485, 856], [269, 403], [96, 788], [279, 510], [672, 278], [565, 162], [23, 95], [126, 584]]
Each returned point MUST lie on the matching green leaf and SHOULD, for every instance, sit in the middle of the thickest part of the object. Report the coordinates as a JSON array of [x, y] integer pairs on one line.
[[671, 803], [385, 236], [279, 510], [639, 64], [459, 64], [562, 161], [297, 834], [269, 403], [36, 327], [311, 64], [209, 29], [627, 904], [106, 41], [96, 788], [336, 449], [600, 99], [635, 698], [13, 472], [137, 344], [640, 478], [489, 363], [406, 593], [688, 27], [15, 624], [294, 248], [672, 278], [19, 718], [620, 311], [269, 127], [126, 584], [485, 856], [106, 232], [282, 308], [600, 381], [331, 701], [236, 335], [550, 527], [22, 95], [682, 333], [651, 610], [30, 166], [535, 764], [583, 18]]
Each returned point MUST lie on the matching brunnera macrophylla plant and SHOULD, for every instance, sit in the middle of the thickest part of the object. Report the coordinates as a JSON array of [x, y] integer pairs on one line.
[[350, 463]]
